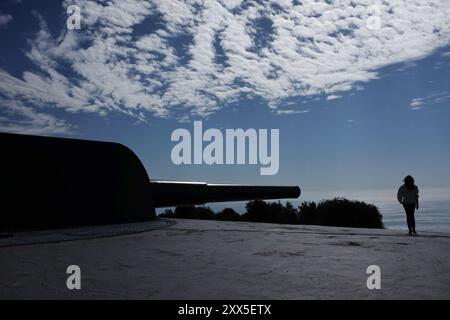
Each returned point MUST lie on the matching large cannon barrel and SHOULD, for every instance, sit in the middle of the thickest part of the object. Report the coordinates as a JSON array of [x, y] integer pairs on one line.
[[48, 182], [175, 193]]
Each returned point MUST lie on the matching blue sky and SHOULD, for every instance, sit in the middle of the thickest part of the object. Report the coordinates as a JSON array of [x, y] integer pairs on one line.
[[357, 107]]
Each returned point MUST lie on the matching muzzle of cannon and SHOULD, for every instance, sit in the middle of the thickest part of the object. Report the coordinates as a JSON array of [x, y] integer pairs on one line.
[[48, 182]]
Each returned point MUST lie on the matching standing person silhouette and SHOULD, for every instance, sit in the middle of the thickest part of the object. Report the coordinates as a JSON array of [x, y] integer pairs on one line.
[[408, 196]]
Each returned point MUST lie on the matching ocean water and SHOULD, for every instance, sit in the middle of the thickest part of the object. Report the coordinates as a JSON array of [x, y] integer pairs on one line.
[[433, 214]]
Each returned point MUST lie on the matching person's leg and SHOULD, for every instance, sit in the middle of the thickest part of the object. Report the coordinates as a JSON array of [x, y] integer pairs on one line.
[[413, 219], [408, 217]]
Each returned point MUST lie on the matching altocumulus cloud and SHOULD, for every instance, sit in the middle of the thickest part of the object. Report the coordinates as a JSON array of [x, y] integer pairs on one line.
[[235, 49], [433, 98], [5, 19]]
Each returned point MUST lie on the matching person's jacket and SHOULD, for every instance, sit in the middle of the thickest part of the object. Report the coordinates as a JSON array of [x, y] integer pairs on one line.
[[408, 196]]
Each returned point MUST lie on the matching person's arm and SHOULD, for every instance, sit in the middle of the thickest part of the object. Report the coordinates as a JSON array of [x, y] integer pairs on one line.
[[417, 200], [400, 195]]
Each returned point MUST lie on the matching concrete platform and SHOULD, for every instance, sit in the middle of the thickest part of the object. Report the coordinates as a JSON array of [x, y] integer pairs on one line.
[[195, 259]]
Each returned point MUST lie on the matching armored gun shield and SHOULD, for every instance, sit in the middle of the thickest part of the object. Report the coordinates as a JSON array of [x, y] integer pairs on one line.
[[49, 182]]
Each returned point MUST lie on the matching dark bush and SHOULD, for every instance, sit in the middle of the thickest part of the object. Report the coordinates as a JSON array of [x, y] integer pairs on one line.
[[168, 213], [272, 212], [189, 212], [227, 214], [341, 212], [307, 212], [204, 213]]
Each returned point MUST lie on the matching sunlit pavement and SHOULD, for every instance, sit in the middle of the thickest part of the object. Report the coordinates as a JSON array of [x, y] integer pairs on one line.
[[195, 259]]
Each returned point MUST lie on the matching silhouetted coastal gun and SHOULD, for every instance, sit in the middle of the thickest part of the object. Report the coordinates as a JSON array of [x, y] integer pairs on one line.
[[48, 182]]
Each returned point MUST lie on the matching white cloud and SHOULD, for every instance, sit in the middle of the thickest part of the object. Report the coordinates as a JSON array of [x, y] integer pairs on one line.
[[416, 103], [433, 98], [5, 19], [304, 50], [290, 111], [29, 121], [333, 97]]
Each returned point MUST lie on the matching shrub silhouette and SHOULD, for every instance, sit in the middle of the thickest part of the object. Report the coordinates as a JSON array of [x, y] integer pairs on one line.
[[189, 212], [203, 213], [227, 214], [341, 212], [258, 211], [168, 213], [272, 212], [338, 212], [307, 212]]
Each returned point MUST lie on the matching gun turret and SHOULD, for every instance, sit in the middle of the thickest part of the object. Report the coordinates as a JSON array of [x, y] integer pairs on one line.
[[48, 182], [175, 193]]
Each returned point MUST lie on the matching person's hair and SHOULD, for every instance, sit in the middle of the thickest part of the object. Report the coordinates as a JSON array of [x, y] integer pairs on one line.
[[409, 182]]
